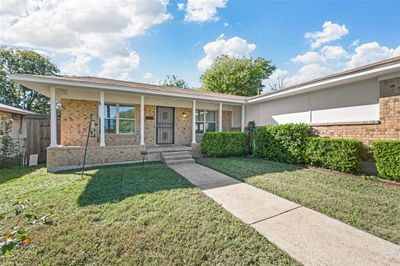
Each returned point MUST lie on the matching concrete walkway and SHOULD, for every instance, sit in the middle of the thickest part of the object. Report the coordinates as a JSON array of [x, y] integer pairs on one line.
[[306, 235]]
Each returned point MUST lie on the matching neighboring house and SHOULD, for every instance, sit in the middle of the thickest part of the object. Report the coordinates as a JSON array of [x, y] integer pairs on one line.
[[362, 103], [19, 124]]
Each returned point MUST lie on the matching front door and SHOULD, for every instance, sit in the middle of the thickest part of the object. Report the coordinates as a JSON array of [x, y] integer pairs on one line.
[[165, 125]]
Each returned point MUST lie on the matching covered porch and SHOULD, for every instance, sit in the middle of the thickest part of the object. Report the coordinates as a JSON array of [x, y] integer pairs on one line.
[[128, 118]]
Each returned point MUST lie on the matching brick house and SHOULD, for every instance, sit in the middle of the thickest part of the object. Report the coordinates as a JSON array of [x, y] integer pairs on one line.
[[129, 117]]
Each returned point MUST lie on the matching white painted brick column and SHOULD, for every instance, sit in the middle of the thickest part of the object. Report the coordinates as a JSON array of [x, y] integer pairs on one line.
[[53, 118], [102, 121], [194, 122], [142, 120]]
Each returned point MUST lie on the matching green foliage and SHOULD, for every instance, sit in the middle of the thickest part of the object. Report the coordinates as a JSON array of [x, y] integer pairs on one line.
[[387, 157], [8, 148], [237, 76], [15, 61], [174, 81], [285, 143], [223, 144], [336, 154], [251, 127]]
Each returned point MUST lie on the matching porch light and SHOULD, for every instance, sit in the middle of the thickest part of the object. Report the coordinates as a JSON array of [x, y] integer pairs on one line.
[[184, 115]]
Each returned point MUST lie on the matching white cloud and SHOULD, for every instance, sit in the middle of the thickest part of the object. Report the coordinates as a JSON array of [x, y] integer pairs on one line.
[[333, 52], [202, 10], [371, 52], [180, 6], [308, 58], [147, 75], [355, 43], [226, 24], [99, 29], [119, 66], [77, 66], [234, 47], [308, 72], [330, 32]]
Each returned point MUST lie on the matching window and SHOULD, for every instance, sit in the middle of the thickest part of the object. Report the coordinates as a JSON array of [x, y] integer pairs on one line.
[[119, 119], [205, 121]]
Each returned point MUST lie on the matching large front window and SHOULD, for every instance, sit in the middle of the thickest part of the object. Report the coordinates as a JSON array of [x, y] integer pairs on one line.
[[205, 121], [119, 119]]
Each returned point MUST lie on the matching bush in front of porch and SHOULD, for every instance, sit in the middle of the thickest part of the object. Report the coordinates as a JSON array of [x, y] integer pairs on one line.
[[224, 144]]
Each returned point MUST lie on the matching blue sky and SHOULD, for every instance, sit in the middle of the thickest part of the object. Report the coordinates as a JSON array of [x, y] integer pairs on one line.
[[146, 40]]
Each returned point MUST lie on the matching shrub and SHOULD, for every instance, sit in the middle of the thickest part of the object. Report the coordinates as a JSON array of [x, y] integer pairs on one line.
[[8, 148], [336, 154], [223, 144], [387, 157], [285, 143]]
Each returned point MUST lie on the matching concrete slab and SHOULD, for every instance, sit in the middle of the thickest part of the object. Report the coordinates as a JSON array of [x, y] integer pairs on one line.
[[248, 203], [306, 235], [316, 239]]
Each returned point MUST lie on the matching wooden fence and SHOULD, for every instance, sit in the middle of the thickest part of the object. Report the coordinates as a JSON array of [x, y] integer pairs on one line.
[[38, 136]]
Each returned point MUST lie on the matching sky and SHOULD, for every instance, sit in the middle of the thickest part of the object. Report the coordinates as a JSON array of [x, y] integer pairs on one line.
[[145, 40]]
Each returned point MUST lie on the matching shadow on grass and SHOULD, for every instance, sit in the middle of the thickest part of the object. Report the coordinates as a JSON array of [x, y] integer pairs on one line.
[[242, 168], [8, 174], [115, 183]]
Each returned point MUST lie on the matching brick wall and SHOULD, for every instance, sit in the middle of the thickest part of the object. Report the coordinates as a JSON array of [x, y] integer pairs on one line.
[[183, 126], [62, 158], [388, 128]]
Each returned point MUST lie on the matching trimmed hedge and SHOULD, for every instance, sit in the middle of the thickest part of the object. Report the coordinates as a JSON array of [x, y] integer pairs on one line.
[[387, 157], [336, 154], [224, 144], [285, 143]]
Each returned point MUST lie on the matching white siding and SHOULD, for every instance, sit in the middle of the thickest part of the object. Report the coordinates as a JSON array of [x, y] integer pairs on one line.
[[348, 103]]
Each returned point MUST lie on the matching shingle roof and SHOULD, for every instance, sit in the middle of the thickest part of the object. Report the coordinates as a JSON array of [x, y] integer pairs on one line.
[[15, 110], [152, 87], [374, 65]]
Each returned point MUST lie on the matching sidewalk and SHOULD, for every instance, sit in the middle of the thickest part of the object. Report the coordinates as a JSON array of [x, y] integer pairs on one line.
[[306, 235]]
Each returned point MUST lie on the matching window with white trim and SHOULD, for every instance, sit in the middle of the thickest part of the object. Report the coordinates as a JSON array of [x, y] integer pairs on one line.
[[119, 118], [205, 121]]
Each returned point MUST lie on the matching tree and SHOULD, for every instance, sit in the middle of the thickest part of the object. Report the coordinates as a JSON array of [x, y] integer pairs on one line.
[[16, 61], [277, 80], [237, 76], [8, 149], [174, 81]]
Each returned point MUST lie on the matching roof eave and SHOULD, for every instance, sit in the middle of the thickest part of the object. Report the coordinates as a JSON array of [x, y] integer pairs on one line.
[[119, 88], [367, 74]]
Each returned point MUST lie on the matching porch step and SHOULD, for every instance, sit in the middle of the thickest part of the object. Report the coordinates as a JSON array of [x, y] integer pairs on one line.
[[164, 149], [177, 157]]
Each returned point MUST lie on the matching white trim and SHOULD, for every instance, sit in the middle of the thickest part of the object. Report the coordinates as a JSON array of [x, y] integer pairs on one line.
[[243, 118], [194, 122], [102, 120], [391, 76], [220, 118], [89, 85], [373, 73], [53, 118], [142, 120]]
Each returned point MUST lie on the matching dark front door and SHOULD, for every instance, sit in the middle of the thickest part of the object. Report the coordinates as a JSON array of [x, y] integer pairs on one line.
[[165, 125]]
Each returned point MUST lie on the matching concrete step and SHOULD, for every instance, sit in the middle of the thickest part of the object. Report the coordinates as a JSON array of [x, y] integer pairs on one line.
[[177, 157], [183, 161], [162, 149], [176, 153]]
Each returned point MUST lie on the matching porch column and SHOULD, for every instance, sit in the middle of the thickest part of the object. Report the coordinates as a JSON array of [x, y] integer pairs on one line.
[[53, 118], [220, 118], [243, 119], [142, 120], [194, 122], [102, 122]]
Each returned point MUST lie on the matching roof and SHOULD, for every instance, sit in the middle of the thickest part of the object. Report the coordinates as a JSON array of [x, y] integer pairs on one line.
[[15, 110], [88, 81], [375, 65]]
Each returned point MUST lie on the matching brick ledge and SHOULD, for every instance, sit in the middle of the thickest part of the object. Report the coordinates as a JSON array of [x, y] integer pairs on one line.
[[355, 123]]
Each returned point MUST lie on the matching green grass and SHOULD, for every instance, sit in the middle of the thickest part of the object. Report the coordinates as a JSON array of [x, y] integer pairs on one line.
[[123, 215], [365, 204]]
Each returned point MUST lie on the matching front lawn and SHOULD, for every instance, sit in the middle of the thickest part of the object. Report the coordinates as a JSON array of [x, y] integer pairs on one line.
[[122, 215], [364, 204]]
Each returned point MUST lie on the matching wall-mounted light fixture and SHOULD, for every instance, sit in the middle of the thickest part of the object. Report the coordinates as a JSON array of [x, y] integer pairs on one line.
[[184, 115]]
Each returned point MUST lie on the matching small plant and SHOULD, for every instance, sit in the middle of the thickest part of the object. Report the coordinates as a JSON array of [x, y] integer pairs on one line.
[[387, 157], [8, 148], [251, 127]]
